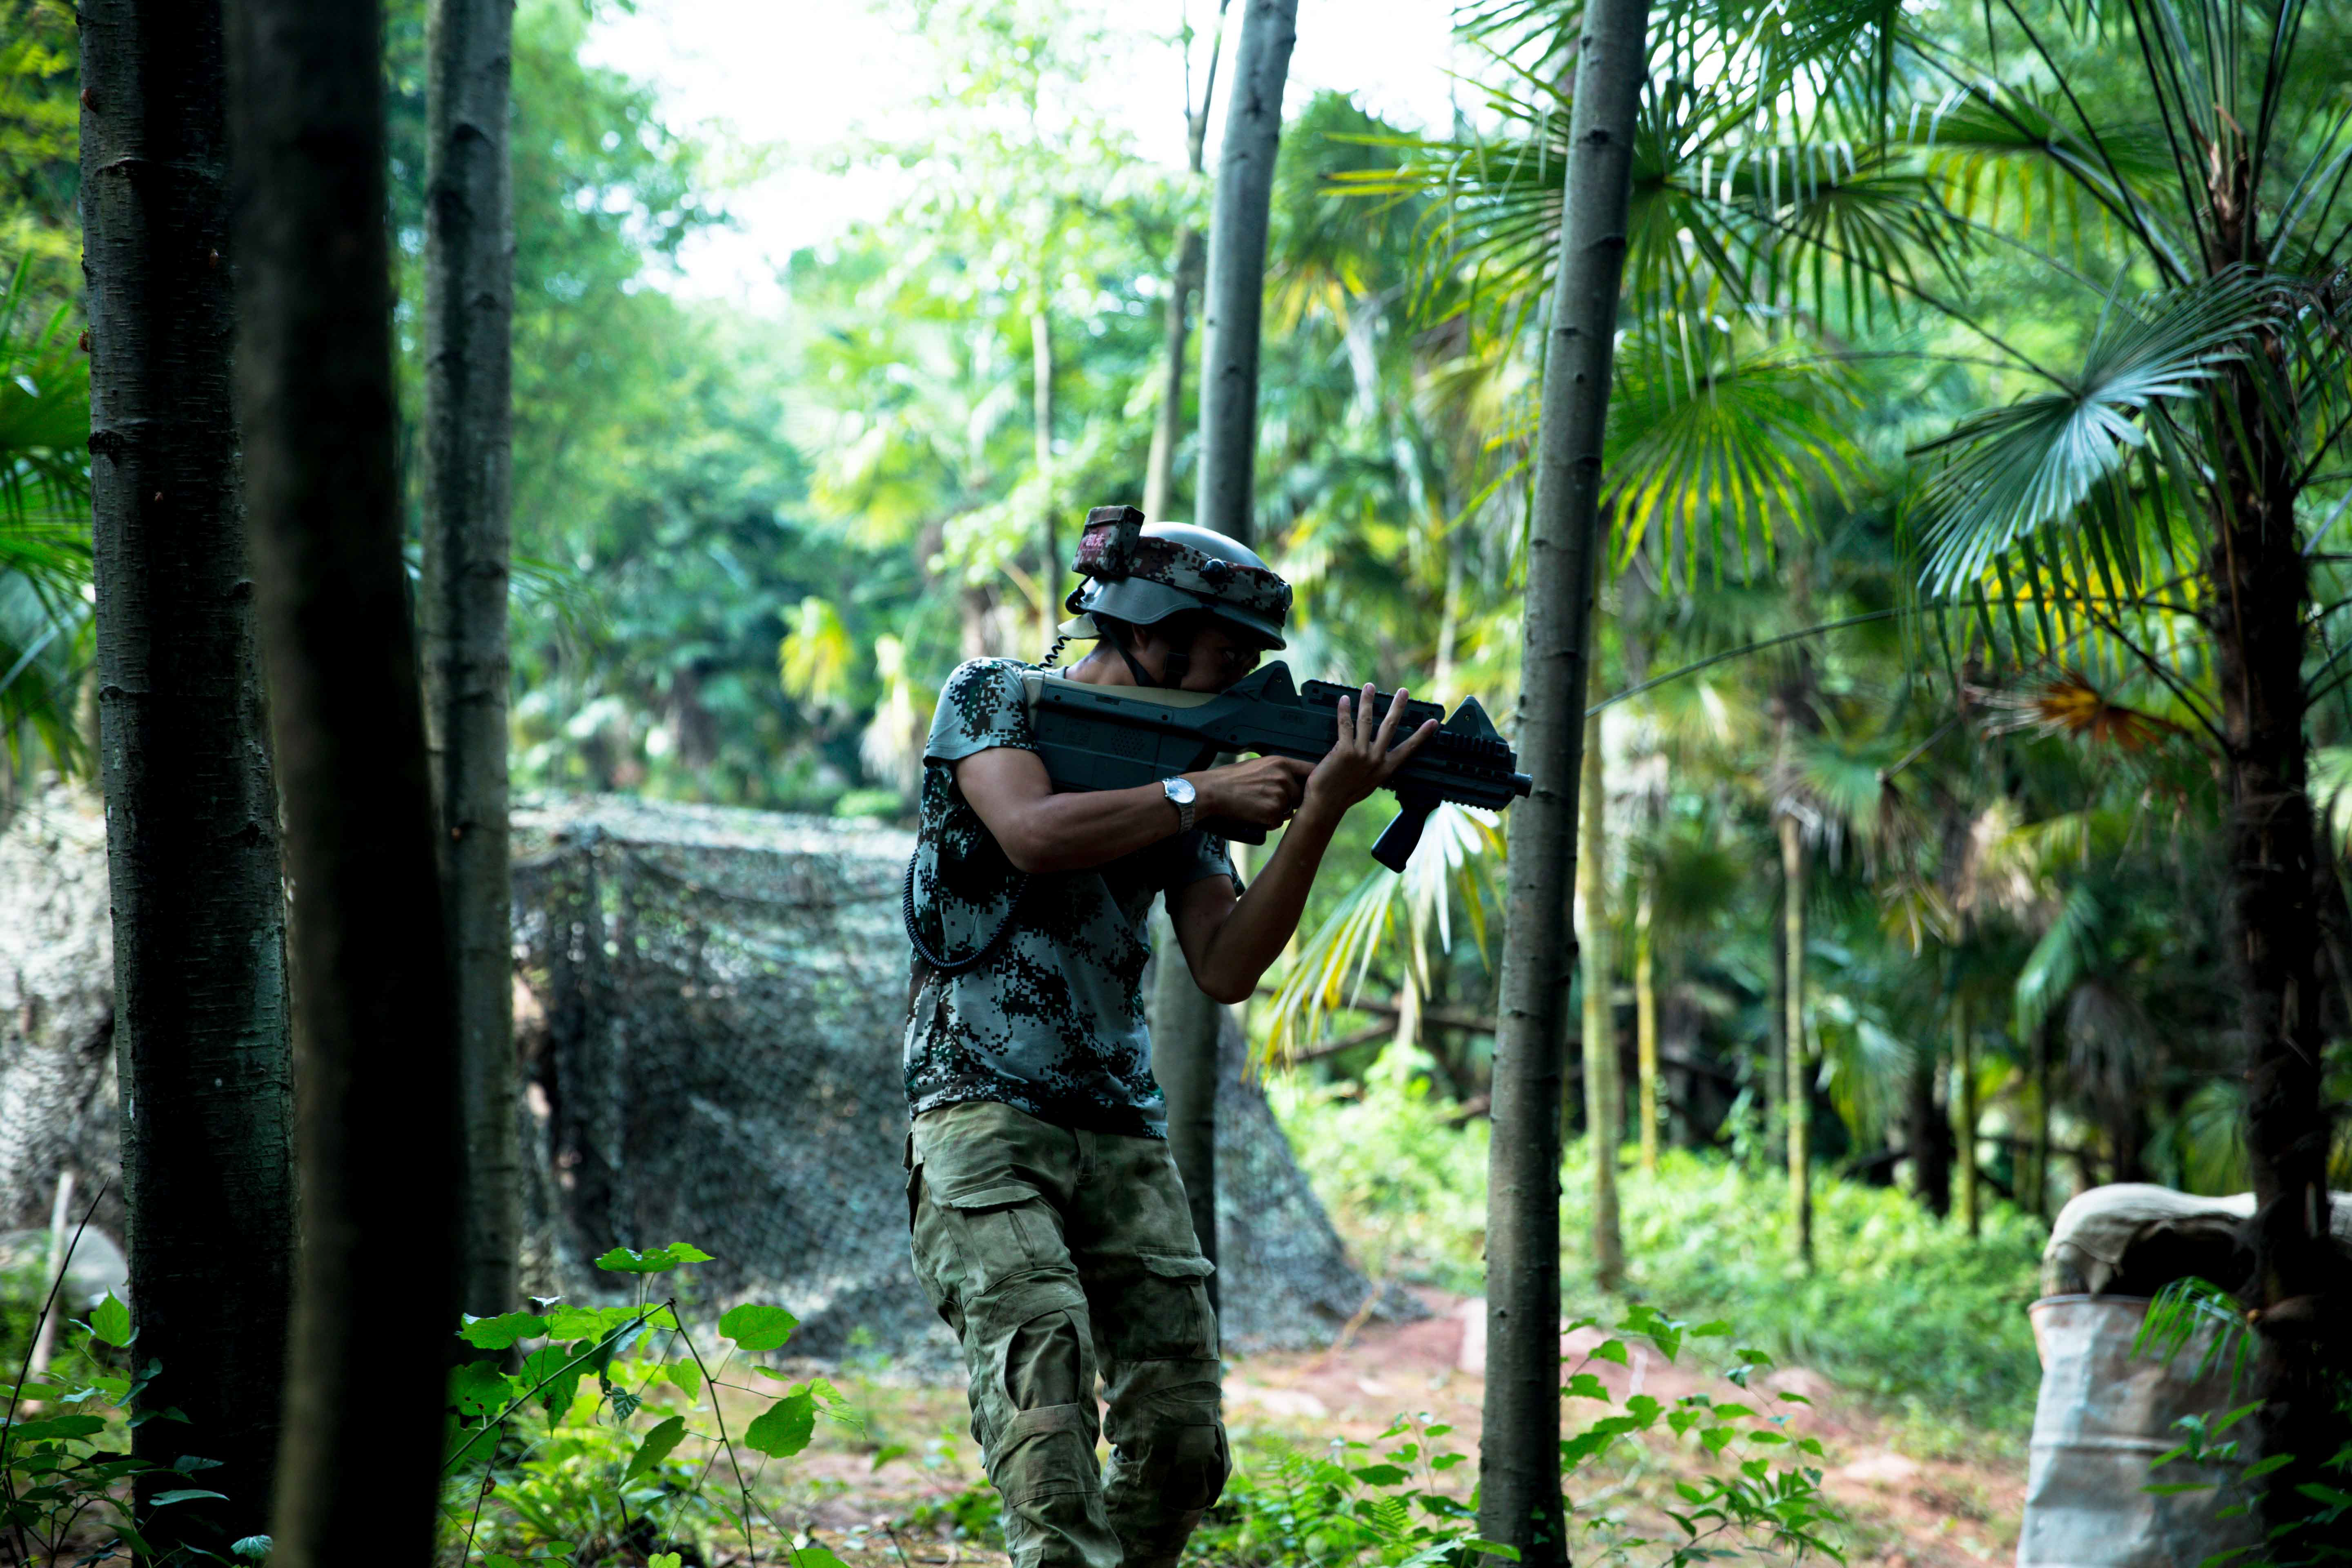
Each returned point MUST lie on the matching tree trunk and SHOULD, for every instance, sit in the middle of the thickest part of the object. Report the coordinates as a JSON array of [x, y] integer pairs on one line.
[[1186, 1042], [1041, 404], [1645, 1026], [1518, 1459], [199, 914], [1235, 298], [1160, 472], [1964, 1114], [1604, 1102], [469, 420], [375, 1023], [2039, 1073], [1799, 1094], [1182, 1015], [1924, 1131]]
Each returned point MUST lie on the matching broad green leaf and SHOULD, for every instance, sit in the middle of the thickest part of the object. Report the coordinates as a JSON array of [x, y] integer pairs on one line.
[[1492, 1548], [756, 1327], [786, 1427], [478, 1390], [658, 1445], [252, 1548], [1585, 1385], [501, 1332], [1610, 1350], [814, 1557], [500, 1560], [56, 1428], [660, 1261], [184, 1494], [664, 1560], [110, 1321], [1382, 1476], [687, 1375], [890, 1451], [545, 1370]]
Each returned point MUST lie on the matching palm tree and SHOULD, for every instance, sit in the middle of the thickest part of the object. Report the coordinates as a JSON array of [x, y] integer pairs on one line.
[[44, 534], [2162, 487]]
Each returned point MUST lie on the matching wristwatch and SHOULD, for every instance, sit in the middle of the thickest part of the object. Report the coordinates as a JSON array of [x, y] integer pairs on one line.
[[1181, 794]]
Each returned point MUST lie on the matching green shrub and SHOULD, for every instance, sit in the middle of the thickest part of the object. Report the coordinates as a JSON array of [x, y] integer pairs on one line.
[[1900, 1306]]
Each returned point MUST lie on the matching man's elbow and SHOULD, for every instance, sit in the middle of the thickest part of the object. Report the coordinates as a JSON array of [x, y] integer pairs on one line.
[[1232, 990]]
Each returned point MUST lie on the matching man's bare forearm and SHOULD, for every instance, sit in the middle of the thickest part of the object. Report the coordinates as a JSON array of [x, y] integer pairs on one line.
[[1247, 942]]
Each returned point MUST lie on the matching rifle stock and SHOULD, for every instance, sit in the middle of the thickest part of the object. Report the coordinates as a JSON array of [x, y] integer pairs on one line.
[[1117, 737]]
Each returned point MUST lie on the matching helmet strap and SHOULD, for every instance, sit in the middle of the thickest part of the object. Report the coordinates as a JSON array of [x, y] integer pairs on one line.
[[1178, 663]]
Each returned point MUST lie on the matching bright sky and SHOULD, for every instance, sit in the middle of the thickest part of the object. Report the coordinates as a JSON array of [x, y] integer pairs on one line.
[[801, 77]]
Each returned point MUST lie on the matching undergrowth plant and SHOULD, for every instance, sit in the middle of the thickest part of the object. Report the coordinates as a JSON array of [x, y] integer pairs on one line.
[[1362, 1504], [576, 1433], [2193, 1316]]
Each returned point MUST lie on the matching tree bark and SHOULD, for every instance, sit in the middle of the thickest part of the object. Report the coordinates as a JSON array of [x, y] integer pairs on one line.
[[1184, 1048], [375, 1023], [1645, 1026], [1159, 471], [1604, 1101], [1964, 1115], [1182, 1015], [1235, 298], [203, 1058], [468, 423], [1799, 1094], [1924, 1134], [1518, 1460]]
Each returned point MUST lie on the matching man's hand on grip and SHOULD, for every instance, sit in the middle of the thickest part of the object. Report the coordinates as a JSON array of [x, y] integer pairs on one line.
[[1263, 792], [1363, 755]]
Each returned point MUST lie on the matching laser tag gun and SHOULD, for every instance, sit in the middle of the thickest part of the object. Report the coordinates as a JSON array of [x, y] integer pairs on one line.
[[1117, 737]]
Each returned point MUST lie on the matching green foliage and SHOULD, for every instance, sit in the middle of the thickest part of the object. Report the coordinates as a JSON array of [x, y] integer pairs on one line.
[[1363, 1505], [628, 1464], [1902, 1309]]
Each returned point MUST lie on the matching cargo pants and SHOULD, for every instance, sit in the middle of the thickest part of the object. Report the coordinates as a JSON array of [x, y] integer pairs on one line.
[[1058, 1255]]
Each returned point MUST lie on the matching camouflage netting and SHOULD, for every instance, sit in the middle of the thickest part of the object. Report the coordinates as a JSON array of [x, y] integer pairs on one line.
[[711, 1039], [707, 1008]]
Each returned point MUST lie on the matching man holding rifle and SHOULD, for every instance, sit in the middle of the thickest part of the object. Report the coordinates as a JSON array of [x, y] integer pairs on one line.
[[1050, 1229]]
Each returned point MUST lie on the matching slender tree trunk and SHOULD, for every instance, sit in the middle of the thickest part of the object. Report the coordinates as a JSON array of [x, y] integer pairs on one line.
[[1182, 1016], [1646, 1026], [1964, 1114], [1923, 1131], [199, 913], [469, 420], [1604, 1116], [2041, 1114], [1184, 1049], [1168, 431], [1236, 297], [1041, 398], [1799, 1097], [375, 1020], [1518, 1458]]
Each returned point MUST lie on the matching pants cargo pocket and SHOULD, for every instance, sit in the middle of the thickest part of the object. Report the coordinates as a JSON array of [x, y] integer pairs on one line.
[[1044, 1453], [1167, 1317]]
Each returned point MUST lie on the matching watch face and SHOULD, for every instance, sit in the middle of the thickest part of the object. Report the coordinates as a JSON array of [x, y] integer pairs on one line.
[[1179, 790]]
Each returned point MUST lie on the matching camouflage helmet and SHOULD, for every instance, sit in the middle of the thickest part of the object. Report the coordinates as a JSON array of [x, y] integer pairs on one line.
[[1142, 572]]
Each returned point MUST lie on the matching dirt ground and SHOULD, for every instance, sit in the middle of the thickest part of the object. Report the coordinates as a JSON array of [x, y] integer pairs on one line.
[[1906, 1510]]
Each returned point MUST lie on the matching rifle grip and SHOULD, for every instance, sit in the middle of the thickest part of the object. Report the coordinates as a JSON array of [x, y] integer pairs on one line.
[[1401, 837]]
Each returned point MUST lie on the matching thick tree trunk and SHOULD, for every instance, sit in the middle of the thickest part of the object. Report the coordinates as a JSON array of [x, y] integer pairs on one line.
[[200, 1013], [1605, 1101], [1645, 1026], [1799, 1096], [1236, 297], [1519, 1457], [469, 360], [2260, 587], [1964, 1115], [1187, 1044], [375, 1023]]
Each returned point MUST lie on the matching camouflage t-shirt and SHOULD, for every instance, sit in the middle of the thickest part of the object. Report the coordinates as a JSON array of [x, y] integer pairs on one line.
[[1051, 1021]]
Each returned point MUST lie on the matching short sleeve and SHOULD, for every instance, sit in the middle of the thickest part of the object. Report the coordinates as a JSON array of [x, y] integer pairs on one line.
[[981, 709], [1199, 857]]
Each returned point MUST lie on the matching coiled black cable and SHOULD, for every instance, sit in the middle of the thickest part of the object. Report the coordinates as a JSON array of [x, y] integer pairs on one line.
[[956, 966]]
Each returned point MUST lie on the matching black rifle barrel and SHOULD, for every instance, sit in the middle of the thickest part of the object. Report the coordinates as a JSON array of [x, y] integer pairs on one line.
[[1117, 737]]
